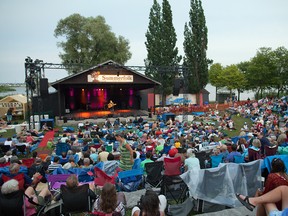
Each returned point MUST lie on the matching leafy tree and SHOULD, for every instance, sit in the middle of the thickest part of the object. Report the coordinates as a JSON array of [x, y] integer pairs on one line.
[[195, 47], [281, 69], [215, 76], [233, 79], [260, 73], [90, 41], [162, 53]]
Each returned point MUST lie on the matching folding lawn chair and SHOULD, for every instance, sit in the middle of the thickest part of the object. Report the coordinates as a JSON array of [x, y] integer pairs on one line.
[[130, 180], [53, 179], [154, 176], [75, 200], [101, 177], [173, 187], [253, 154]]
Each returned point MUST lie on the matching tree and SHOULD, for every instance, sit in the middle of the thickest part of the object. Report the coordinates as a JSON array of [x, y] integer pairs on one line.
[[162, 53], [281, 66], [261, 70], [215, 76], [233, 79], [195, 47], [90, 41]]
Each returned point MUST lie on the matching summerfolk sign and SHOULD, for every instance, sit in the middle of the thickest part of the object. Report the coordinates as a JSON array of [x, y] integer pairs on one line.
[[98, 77]]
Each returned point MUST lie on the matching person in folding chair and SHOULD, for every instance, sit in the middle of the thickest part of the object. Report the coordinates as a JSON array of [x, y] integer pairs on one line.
[[150, 204], [11, 199], [110, 202], [76, 198]]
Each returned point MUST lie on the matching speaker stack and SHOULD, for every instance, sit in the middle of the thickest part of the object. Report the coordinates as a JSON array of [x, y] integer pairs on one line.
[[44, 87]]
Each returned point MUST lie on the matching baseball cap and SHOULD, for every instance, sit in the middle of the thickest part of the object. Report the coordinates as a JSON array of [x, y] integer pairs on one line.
[[172, 152]]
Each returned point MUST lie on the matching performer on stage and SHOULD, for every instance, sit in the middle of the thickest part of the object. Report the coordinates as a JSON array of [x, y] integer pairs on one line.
[[111, 105]]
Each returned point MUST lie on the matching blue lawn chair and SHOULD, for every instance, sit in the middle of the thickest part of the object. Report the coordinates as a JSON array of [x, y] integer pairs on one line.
[[130, 180], [216, 160], [239, 159]]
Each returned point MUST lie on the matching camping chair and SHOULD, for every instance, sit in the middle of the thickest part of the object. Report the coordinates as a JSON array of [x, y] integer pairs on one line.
[[211, 187], [42, 156], [130, 180], [62, 147], [19, 177], [216, 160], [101, 177], [28, 162], [5, 148], [239, 159], [173, 187], [21, 149], [252, 172], [75, 200], [253, 154], [202, 156], [12, 204], [166, 149], [53, 179], [271, 150], [153, 177]]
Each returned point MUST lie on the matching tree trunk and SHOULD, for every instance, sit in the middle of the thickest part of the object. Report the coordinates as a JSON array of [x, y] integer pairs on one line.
[[163, 99], [239, 92], [216, 93]]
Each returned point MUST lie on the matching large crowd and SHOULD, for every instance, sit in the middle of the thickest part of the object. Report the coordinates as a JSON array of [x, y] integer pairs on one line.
[[116, 146]]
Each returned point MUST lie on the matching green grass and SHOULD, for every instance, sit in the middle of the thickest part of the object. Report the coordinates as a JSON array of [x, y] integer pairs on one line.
[[238, 122]]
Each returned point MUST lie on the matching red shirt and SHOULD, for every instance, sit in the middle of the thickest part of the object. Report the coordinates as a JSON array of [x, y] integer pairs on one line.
[[273, 181]]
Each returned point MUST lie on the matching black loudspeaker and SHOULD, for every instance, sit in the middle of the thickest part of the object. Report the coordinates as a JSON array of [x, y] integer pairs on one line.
[[177, 86], [177, 83], [176, 91], [44, 87]]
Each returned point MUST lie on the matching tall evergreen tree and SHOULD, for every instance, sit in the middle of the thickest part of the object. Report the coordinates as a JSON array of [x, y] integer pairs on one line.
[[195, 47], [162, 53]]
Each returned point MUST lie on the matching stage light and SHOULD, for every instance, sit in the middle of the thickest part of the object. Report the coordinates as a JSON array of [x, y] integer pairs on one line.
[[120, 89], [82, 89]]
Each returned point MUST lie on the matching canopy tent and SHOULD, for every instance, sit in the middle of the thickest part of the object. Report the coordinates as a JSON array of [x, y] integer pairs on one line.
[[18, 102]]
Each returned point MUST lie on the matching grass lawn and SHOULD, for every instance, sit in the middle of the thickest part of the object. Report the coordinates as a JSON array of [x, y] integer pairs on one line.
[[239, 122]]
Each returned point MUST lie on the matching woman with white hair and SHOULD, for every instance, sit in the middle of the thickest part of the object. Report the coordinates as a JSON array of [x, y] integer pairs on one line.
[[11, 199], [191, 162]]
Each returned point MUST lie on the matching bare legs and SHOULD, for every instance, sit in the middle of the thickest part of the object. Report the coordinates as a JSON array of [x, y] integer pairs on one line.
[[31, 193], [269, 199]]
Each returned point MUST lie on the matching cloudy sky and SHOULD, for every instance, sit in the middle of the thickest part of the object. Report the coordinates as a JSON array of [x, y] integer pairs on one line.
[[236, 29]]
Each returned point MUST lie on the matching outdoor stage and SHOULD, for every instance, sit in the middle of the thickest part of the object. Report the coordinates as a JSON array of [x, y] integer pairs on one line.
[[105, 114]]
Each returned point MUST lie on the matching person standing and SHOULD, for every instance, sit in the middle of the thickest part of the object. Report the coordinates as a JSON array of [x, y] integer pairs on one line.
[[9, 115], [126, 159]]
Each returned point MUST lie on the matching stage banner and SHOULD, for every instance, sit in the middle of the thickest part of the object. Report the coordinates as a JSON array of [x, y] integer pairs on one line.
[[98, 77]]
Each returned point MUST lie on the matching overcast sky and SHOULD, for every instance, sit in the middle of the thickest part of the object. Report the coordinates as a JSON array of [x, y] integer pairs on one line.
[[236, 29]]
